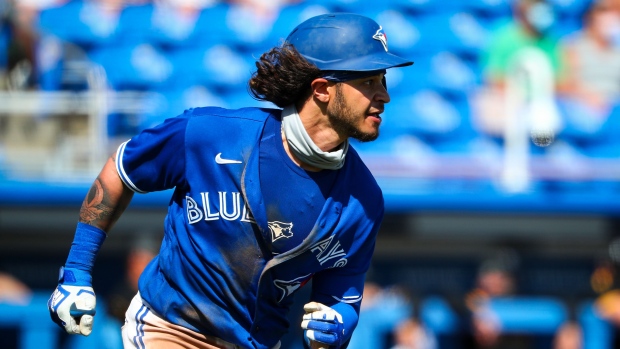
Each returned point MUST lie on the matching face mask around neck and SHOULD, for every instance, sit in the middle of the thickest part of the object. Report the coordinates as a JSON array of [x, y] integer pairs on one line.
[[302, 146]]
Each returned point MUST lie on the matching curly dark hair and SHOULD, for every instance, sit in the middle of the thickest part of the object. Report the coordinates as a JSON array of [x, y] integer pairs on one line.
[[282, 76]]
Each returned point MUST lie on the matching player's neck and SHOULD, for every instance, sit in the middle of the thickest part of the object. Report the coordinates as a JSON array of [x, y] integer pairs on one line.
[[295, 159], [318, 127]]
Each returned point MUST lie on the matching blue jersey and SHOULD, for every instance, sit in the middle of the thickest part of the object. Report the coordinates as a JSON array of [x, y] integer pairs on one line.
[[293, 196], [216, 272]]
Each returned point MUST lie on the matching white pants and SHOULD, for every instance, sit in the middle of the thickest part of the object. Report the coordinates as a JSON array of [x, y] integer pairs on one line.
[[145, 330]]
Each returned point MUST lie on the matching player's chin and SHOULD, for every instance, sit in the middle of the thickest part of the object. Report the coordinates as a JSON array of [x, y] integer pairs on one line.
[[366, 136]]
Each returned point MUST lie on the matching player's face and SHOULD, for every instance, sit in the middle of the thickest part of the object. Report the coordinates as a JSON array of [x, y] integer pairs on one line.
[[357, 106]]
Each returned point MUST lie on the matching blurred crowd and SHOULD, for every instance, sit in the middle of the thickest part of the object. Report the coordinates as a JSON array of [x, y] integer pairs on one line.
[[495, 313], [582, 68], [21, 33], [559, 61]]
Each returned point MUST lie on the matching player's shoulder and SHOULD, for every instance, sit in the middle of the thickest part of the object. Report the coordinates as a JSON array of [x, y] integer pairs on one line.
[[249, 113], [355, 161], [361, 174]]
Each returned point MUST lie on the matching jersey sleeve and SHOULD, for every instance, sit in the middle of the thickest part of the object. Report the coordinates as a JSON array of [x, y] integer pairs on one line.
[[342, 288], [154, 160], [350, 289]]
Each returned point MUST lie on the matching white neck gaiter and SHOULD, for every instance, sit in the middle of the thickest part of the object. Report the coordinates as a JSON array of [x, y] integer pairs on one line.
[[302, 146]]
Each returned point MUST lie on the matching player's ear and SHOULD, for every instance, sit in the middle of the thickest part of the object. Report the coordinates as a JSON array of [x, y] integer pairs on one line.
[[320, 90]]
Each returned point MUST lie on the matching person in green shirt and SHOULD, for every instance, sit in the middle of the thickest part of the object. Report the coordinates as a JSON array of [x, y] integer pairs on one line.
[[528, 29]]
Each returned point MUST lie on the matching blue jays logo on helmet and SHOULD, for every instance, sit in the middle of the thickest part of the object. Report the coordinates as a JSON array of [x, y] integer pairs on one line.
[[344, 42], [381, 36]]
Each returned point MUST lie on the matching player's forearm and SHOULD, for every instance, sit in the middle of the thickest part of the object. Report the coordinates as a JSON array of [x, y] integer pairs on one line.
[[106, 200]]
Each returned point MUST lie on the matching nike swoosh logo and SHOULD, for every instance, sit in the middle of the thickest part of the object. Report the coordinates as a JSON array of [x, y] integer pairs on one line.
[[219, 160]]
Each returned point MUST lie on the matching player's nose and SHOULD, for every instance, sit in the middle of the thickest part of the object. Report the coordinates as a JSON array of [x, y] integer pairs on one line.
[[382, 95]]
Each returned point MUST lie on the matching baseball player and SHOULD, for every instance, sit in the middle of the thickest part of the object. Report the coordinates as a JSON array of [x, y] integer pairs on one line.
[[264, 200]]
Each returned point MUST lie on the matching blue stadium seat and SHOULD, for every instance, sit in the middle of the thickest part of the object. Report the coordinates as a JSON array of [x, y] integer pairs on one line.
[[60, 65], [429, 115], [490, 8], [572, 8], [595, 135], [167, 103], [4, 46], [459, 32], [292, 15], [244, 29], [49, 62], [431, 6], [408, 80], [567, 25], [140, 67], [530, 315], [37, 331], [135, 25], [32, 320], [241, 98], [401, 29], [451, 75], [80, 22], [438, 316], [169, 27], [217, 66], [597, 333], [379, 319], [356, 6]]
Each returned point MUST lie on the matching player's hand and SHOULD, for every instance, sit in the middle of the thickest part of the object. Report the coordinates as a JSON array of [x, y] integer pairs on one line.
[[72, 306], [322, 324]]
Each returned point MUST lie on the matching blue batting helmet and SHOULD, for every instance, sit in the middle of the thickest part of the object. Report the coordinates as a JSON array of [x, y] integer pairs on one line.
[[344, 41]]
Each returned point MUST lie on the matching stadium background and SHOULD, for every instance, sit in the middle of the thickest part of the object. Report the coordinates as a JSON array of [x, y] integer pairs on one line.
[[79, 77]]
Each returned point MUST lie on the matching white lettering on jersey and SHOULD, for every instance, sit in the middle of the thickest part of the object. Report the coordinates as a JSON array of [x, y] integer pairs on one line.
[[194, 214], [247, 214], [231, 207], [289, 287], [236, 206], [329, 249], [280, 230], [209, 216]]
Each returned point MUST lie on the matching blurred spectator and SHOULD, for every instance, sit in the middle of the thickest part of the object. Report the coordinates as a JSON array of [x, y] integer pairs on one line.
[[496, 278], [606, 284], [12, 290], [411, 334], [493, 281], [18, 22], [592, 55], [530, 29], [608, 306], [569, 336]]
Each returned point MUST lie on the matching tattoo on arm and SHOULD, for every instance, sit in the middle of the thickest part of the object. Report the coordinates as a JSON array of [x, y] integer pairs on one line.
[[99, 207]]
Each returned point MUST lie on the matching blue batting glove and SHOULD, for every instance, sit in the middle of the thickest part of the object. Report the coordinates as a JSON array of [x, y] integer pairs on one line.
[[72, 305], [323, 324]]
